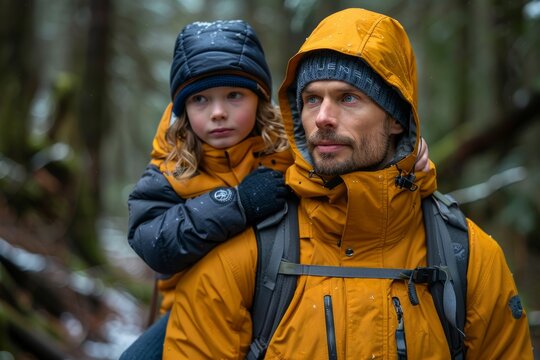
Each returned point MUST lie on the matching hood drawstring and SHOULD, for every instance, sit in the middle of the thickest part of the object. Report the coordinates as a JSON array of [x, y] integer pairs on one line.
[[406, 181]]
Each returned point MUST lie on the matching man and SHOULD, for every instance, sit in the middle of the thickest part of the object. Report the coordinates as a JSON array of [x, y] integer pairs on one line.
[[349, 103]]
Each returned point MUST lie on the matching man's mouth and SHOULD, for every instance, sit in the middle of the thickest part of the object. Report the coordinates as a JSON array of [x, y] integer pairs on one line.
[[328, 142], [328, 147]]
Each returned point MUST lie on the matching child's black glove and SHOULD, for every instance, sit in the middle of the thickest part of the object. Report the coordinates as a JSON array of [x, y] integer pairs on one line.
[[262, 193]]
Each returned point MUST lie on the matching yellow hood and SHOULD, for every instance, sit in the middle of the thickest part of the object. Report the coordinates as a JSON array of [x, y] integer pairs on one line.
[[379, 41]]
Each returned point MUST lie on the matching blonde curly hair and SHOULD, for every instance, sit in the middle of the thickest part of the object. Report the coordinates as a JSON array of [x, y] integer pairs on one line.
[[187, 147]]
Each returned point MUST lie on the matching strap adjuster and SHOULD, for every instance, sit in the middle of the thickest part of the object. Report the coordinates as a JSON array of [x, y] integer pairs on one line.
[[428, 275], [257, 349]]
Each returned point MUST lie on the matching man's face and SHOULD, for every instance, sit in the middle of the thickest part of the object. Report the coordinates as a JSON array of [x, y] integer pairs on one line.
[[346, 131]]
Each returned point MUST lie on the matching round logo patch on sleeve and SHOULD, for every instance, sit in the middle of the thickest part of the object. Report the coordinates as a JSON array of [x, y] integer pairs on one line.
[[515, 306], [222, 195]]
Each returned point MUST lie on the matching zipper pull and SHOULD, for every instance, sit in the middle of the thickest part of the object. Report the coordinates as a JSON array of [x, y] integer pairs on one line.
[[330, 328], [401, 343]]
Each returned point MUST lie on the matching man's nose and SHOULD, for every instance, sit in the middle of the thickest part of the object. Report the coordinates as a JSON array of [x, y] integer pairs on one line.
[[327, 116]]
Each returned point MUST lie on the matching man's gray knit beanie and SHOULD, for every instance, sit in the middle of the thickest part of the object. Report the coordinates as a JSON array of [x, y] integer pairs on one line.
[[332, 65]]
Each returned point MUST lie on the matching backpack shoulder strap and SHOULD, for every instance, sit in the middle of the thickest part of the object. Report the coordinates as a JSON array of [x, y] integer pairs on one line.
[[447, 244], [277, 240]]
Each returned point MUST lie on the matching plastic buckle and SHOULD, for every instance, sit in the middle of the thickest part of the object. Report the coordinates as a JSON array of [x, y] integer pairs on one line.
[[428, 275]]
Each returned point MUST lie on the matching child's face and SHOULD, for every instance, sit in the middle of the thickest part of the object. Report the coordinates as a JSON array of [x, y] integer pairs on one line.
[[222, 116]]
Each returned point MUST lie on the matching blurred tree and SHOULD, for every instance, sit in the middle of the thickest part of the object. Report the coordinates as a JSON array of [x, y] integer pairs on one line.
[[18, 76], [93, 122]]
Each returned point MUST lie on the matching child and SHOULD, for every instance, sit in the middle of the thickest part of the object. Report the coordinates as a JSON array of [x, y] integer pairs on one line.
[[219, 167]]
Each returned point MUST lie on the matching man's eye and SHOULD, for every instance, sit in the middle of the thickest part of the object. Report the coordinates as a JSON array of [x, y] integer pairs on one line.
[[310, 100], [349, 98]]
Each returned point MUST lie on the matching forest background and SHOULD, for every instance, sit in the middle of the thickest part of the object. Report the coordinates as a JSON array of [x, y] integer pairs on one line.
[[83, 84]]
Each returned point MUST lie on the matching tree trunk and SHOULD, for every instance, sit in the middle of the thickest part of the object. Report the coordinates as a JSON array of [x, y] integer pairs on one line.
[[93, 121], [18, 78]]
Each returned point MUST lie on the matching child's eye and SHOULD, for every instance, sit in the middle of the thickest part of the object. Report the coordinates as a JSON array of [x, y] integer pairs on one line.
[[235, 95], [197, 99]]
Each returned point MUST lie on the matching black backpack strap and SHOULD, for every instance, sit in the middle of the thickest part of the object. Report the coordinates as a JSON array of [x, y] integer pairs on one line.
[[277, 239], [418, 275], [448, 247]]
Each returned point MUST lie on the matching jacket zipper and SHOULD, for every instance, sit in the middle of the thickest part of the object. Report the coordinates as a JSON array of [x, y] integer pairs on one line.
[[330, 329], [401, 344]]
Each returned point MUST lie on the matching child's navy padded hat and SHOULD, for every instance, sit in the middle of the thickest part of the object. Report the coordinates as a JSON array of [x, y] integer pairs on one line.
[[219, 53]]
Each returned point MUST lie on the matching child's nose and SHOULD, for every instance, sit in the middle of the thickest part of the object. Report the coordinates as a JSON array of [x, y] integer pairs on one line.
[[218, 111]]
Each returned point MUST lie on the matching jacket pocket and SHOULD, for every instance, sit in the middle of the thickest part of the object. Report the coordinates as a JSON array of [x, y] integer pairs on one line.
[[330, 329], [401, 344]]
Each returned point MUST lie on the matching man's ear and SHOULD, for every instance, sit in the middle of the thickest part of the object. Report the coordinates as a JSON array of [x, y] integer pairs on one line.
[[395, 127]]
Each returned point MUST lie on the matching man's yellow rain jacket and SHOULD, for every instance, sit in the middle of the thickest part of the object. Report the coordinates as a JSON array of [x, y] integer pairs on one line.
[[365, 221]]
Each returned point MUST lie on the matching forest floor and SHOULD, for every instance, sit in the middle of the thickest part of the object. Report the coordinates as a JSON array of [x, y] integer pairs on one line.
[[51, 307]]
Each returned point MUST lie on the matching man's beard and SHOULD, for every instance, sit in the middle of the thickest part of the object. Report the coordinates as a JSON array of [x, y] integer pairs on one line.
[[369, 153]]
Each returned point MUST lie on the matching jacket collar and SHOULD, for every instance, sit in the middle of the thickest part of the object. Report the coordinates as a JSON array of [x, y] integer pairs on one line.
[[220, 167], [367, 209]]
